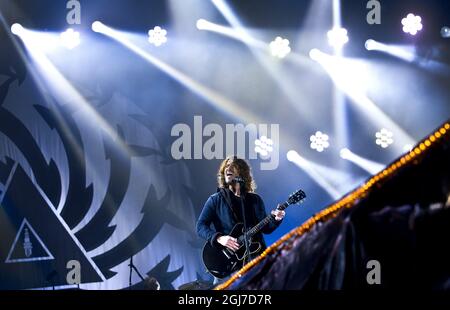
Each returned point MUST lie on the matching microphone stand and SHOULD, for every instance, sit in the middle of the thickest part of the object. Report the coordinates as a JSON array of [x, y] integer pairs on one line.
[[133, 267], [247, 249]]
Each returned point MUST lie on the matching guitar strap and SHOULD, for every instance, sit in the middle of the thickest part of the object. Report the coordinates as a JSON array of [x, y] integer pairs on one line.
[[226, 195]]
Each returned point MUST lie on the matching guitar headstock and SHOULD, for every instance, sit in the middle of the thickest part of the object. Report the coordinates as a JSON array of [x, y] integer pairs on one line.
[[296, 197]]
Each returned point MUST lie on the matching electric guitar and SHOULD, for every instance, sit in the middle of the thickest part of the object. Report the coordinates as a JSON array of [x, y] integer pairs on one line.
[[222, 261]]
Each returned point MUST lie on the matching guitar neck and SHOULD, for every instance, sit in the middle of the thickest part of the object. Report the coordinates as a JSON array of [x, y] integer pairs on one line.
[[257, 228]]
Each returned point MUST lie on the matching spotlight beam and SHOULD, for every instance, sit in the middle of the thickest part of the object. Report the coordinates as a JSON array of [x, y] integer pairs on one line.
[[396, 51], [244, 37], [228, 106], [290, 89], [274, 47], [53, 85], [62, 88], [337, 26], [337, 69], [338, 37], [227, 13], [232, 108], [366, 164], [323, 176], [407, 54]]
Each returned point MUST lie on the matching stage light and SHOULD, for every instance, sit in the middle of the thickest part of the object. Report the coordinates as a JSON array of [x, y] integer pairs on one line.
[[157, 36], [98, 26], [201, 24], [291, 155], [70, 38], [263, 146], [280, 47], [314, 54], [319, 141], [17, 29], [370, 44], [407, 148], [412, 24], [384, 138], [345, 153], [445, 32], [337, 37]]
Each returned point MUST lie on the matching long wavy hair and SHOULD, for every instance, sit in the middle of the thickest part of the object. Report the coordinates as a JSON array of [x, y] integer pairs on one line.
[[243, 169]]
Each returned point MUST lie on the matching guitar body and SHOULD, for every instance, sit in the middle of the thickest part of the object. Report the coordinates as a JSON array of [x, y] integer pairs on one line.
[[221, 261]]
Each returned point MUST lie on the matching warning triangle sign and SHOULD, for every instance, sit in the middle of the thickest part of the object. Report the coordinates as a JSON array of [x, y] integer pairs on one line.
[[36, 245], [27, 246]]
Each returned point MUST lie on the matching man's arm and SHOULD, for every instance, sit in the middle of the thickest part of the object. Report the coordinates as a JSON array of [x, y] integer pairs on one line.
[[204, 221], [261, 214]]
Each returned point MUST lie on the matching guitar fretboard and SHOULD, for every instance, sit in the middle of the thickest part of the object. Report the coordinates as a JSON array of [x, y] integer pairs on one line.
[[264, 222]]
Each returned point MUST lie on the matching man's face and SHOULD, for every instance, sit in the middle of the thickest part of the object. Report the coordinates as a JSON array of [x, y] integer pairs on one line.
[[230, 173]]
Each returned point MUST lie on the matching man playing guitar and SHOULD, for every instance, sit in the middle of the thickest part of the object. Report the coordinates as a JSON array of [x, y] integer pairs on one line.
[[224, 209]]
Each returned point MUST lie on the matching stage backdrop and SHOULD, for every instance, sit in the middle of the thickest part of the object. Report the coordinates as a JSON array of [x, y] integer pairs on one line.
[[70, 192]]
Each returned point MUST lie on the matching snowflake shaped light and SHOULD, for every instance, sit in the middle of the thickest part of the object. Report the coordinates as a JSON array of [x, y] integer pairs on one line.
[[337, 37], [384, 138], [412, 24], [319, 141], [263, 146], [280, 47], [70, 38], [157, 36]]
